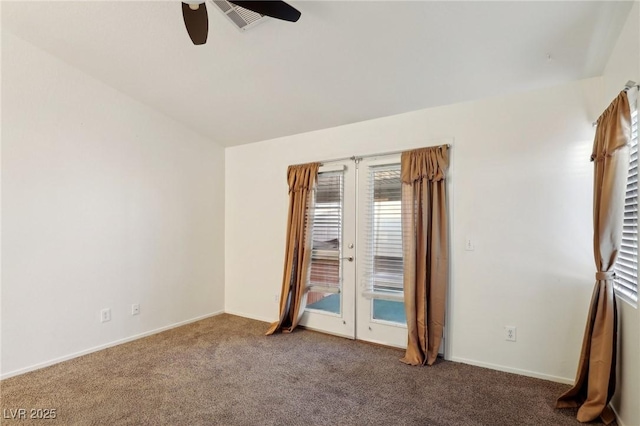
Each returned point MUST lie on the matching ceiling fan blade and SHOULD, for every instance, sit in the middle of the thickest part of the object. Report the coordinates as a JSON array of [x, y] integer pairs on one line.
[[274, 9], [197, 22]]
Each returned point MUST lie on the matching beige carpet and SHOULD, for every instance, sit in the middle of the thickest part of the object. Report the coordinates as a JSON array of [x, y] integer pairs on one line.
[[224, 371]]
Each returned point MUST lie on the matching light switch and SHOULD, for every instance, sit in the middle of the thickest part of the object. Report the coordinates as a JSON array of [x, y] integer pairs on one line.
[[470, 245]]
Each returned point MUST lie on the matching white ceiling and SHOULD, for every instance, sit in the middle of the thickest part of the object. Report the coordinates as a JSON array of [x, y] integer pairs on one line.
[[341, 63]]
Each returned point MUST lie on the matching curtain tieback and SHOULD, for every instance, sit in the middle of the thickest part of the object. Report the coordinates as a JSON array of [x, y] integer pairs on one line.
[[608, 275]]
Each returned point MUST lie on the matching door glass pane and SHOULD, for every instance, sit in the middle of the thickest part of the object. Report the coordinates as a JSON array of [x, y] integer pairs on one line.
[[328, 302], [389, 310], [385, 277], [386, 230], [325, 276]]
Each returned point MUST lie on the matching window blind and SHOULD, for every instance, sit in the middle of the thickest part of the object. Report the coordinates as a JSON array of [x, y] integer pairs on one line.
[[626, 266], [383, 268], [326, 233]]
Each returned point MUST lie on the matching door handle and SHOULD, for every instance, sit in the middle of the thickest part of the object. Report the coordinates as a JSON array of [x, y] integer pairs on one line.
[[349, 258]]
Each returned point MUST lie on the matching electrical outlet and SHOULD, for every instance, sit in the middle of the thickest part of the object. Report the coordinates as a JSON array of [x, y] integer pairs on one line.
[[276, 297], [135, 309], [105, 315], [510, 333]]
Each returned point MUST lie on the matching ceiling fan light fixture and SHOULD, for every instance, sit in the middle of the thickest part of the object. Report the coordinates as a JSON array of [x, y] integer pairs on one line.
[[242, 13], [194, 4], [196, 21]]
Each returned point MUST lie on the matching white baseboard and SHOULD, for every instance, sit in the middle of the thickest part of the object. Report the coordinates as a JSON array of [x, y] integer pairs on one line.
[[250, 316], [534, 374], [618, 420], [105, 346]]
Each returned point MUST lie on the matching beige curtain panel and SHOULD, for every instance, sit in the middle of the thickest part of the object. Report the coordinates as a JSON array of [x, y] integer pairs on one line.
[[302, 180], [425, 249], [596, 377]]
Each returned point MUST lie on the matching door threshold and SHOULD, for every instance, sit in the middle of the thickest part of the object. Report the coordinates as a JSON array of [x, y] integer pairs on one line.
[[317, 330], [346, 336]]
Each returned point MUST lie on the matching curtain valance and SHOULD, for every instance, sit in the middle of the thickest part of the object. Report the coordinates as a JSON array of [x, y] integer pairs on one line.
[[425, 163]]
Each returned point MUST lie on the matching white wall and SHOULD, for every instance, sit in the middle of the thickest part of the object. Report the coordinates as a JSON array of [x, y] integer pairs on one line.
[[522, 189], [105, 203], [624, 65]]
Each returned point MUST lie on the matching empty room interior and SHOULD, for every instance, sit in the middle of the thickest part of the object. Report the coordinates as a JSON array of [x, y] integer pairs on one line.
[[439, 254]]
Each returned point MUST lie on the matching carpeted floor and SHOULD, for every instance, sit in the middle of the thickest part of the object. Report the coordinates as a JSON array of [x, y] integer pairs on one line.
[[224, 371]]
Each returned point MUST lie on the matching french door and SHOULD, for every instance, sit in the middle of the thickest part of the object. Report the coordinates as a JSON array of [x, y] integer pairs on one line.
[[331, 302], [356, 272]]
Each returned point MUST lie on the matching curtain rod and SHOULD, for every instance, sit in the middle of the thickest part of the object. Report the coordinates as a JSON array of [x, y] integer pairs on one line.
[[360, 157], [628, 86]]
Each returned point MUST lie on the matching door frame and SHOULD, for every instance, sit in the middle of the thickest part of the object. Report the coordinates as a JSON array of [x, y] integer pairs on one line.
[[446, 347]]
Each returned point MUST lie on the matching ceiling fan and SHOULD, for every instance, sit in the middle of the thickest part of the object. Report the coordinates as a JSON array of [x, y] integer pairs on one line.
[[196, 19]]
